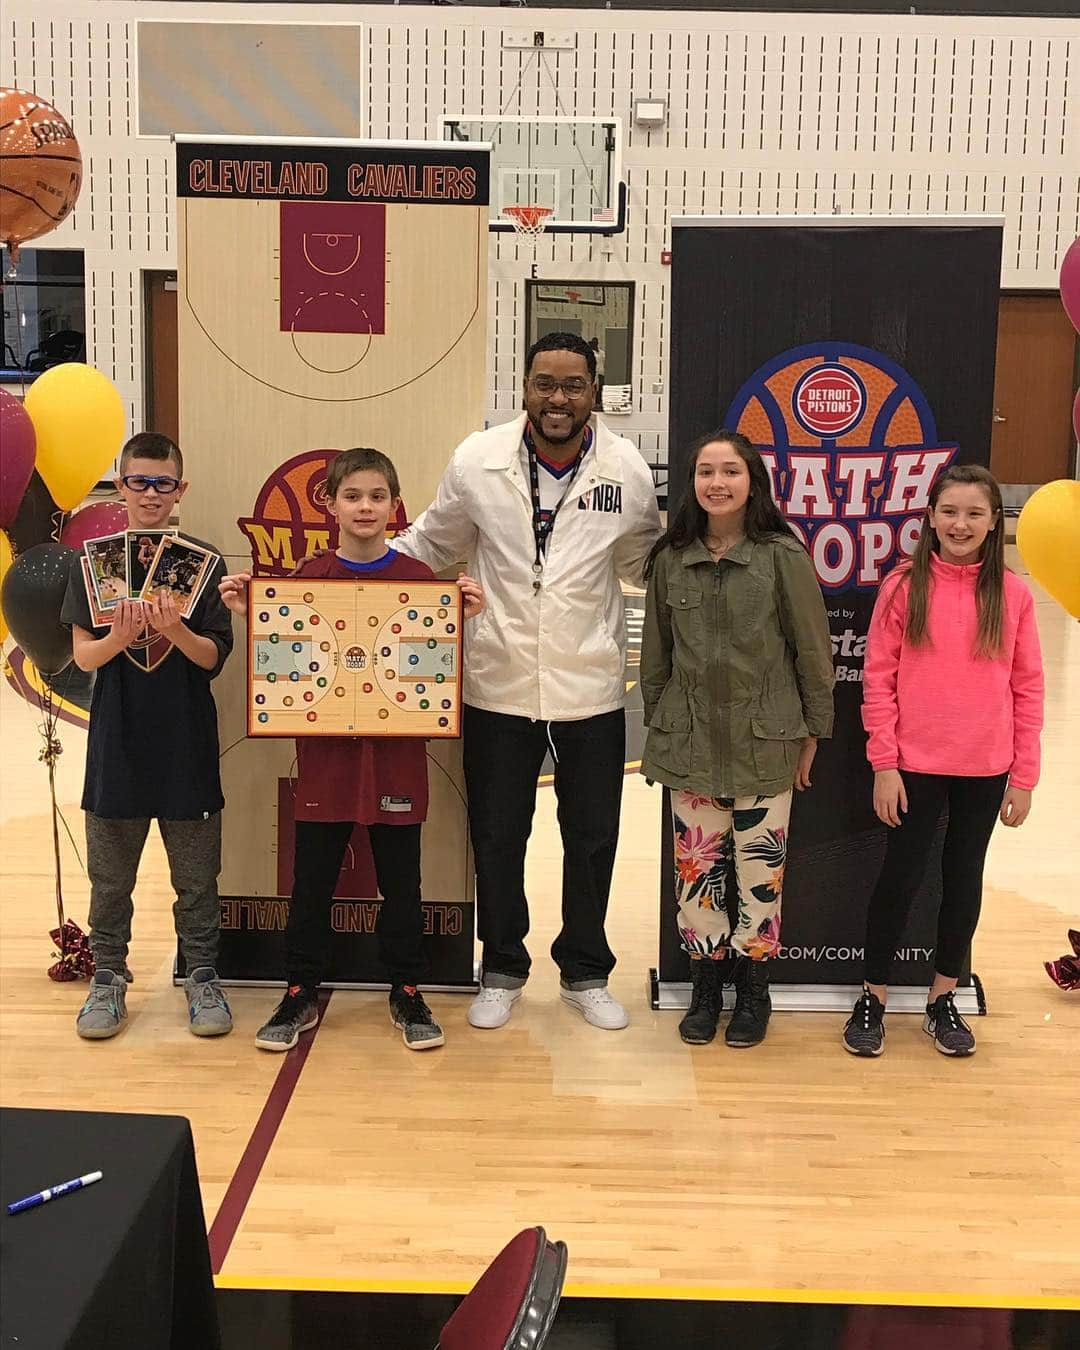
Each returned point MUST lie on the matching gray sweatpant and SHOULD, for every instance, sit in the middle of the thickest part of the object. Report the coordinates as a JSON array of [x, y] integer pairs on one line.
[[113, 850]]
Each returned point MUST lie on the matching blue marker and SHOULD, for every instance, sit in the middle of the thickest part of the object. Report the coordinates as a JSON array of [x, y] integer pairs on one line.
[[32, 1201]]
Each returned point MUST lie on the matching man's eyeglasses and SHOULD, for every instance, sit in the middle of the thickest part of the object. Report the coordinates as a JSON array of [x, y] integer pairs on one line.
[[573, 388], [162, 484]]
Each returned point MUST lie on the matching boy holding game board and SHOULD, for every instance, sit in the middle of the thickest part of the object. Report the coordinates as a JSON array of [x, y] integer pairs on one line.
[[152, 753], [343, 781]]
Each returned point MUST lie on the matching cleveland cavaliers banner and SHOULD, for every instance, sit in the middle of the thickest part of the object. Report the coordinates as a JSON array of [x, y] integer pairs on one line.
[[329, 296], [858, 356]]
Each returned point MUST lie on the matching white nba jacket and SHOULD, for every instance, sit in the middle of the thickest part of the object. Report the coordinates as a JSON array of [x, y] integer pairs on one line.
[[557, 653]]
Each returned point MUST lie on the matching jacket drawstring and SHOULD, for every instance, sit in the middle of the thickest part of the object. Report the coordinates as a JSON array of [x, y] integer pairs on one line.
[[551, 743]]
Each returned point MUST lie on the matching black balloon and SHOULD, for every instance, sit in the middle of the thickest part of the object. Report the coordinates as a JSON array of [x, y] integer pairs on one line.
[[38, 518], [32, 595]]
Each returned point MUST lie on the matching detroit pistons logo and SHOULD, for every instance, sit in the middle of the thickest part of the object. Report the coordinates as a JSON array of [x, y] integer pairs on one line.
[[291, 521], [852, 451], [829, 401]]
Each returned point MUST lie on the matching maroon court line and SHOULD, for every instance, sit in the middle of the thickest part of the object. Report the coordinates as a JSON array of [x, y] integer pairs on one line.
[[235, 1202]]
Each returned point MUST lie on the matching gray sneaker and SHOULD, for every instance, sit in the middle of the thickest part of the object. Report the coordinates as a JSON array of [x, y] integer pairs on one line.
[[104, 1012], [208, 1008], [412, 1017], [296, 1012]]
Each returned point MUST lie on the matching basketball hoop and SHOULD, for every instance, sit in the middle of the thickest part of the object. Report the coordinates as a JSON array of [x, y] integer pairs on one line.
[[529, 222]]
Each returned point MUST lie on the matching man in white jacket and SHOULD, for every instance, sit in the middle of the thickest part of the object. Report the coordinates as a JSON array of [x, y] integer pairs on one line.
[[548, 512]]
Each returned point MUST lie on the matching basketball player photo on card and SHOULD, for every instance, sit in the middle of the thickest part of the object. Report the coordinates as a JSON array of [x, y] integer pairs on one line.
[[142, 547], [179, 568], [107, 574]]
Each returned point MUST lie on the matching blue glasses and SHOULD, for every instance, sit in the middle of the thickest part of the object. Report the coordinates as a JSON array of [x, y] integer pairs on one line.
[[162, 484]]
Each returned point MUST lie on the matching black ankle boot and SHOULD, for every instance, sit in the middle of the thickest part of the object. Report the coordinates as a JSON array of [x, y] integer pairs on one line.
[[698, 1027], [753, 1005]]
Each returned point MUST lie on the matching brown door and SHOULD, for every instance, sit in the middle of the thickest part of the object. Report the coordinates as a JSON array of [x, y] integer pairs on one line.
[[1033, 390], [162, 403]]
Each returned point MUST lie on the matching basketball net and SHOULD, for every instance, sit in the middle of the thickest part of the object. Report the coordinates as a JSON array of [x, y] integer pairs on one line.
[[529, 222]]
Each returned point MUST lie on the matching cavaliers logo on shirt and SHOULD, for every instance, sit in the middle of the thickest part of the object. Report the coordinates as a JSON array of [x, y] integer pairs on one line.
[[148, 650]]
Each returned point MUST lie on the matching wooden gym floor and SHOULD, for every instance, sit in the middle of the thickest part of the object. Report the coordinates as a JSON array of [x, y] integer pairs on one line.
[[791, 1171]]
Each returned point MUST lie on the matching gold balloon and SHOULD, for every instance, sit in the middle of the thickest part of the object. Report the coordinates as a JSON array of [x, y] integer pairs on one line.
[[7, 557], [1048, 537], [78, 417]]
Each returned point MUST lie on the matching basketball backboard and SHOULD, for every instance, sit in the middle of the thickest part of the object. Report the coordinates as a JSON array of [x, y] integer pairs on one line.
[[572, 166]]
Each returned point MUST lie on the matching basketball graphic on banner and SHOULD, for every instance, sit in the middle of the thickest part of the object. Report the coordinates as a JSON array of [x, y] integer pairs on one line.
[[40, 167], [290, 520], [852, 449]]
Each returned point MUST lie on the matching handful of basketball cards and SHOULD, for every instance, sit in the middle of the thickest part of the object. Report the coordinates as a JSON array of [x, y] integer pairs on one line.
[[144, 565]]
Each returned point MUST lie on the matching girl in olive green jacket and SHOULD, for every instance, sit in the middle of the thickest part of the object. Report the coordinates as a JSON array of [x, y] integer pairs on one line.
[[736, 678]]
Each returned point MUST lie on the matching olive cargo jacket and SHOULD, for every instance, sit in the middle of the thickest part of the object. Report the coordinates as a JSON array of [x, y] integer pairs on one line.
[[736, 667]]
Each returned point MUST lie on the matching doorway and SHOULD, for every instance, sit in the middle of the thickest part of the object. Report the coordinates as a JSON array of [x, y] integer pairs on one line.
[[1035, 381], [161, 370]]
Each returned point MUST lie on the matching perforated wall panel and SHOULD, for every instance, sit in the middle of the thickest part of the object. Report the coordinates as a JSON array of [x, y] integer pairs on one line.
[[767, 113]]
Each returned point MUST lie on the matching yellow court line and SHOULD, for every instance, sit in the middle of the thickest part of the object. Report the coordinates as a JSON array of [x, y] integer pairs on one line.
[[631, 765], [32, 676], [669, 1292]]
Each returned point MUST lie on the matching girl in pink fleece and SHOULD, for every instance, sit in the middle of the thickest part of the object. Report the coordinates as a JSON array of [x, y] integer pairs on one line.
[[953, 708]]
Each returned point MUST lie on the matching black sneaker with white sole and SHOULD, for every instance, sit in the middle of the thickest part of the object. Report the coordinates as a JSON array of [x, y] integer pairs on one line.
[[864, 1033], [952, 1035], [297, 1012], [413, 1018]]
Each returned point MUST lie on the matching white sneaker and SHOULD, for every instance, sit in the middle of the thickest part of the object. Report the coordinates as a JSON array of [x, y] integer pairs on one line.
[[597, 1007], [491, 1008]]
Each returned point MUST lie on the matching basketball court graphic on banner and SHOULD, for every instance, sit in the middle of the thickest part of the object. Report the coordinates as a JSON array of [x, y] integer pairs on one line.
[[330, 295], [333, 268]]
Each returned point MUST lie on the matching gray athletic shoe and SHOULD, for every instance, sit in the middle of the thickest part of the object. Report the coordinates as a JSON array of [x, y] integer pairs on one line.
[[104, 1012], [296, 1012], [412, 1017], [208, 1008]]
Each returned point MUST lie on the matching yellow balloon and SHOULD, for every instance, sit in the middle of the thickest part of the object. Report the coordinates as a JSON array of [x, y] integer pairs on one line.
[[7, 557], [1048, 537], [78, 417]]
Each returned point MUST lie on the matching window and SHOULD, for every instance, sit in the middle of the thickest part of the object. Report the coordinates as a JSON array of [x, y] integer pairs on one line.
[[44, 311]]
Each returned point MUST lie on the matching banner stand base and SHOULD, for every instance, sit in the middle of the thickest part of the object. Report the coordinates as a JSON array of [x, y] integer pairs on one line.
[[672, 995]]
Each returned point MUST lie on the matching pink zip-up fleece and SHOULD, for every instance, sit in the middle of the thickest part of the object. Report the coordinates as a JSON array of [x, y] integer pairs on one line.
[[938, 708]]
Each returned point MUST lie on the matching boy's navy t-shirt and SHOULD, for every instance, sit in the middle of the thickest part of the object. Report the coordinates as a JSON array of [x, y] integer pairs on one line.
[[153, 743], [370, 780]]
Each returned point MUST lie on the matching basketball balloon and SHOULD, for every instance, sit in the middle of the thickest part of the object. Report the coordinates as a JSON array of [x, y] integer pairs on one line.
[[40, 168]]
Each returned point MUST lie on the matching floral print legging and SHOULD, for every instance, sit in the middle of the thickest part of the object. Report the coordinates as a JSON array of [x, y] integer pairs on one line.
[[708, 832]]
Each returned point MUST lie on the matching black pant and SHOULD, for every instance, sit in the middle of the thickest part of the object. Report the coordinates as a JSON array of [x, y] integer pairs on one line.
[[973, 809], [320, 849], [503, 758]]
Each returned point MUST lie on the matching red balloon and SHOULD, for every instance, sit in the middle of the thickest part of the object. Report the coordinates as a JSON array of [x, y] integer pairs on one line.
[[94, 521], [1070, 283], [18, 445]]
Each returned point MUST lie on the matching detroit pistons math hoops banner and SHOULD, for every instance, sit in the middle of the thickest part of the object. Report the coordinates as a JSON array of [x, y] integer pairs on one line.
[[859, 359]]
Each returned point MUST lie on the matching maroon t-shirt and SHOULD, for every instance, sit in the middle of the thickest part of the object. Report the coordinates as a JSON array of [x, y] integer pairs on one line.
[[370, 780]]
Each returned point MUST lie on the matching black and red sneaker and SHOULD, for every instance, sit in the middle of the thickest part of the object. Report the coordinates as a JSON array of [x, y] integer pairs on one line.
[[297, 1012]]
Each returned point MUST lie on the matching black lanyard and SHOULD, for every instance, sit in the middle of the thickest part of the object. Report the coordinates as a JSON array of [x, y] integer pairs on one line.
[[542, 528]]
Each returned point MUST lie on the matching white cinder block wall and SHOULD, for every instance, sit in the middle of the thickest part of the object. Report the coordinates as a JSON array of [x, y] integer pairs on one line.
[[767, 113]]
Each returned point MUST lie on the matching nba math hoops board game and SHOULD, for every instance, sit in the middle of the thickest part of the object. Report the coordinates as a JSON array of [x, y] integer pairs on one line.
[[354, 658]]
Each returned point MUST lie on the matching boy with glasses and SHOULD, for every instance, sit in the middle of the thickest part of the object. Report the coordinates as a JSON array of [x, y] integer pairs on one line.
[[152, 753]]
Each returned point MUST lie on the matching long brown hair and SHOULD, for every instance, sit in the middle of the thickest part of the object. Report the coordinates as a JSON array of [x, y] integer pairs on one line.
[[689, 521], [990, 587]]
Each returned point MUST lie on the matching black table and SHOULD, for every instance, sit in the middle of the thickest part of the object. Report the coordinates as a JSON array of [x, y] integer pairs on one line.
[[120, 1265]]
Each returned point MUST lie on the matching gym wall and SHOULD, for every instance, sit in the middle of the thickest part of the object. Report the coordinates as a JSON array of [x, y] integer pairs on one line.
[[766, 113]]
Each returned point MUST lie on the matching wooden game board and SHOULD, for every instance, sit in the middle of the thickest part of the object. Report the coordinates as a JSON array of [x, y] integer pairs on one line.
[[354, 658]]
